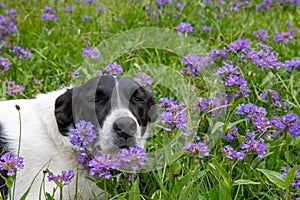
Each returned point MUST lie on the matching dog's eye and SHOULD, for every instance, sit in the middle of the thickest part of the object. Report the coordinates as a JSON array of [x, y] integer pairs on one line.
[[138, 99], [100, 100]]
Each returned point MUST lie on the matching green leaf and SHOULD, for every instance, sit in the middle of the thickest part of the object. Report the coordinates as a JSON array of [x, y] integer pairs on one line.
[[273, 176], [135, 190], [245, 182], [224, 191], [217, 168], [177, 188], [289, 177]]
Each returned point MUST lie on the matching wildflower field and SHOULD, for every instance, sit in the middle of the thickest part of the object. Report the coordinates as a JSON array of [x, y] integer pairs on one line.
[[225, 76]]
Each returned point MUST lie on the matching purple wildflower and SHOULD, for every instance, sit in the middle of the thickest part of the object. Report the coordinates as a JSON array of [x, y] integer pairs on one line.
[[89, 1], [198, 150], [274, 98], [251, 55], [250, 110], [49, 14], [230, 134], [216, 54], [228, 70], [101, 165], [143, 79], [206, 28], [289, 64], [4, 63], [2, 5], [11, 13], [173, 116], [132, 158], [7, 27], [114, 68], [12, 88], [194, 64], [100, 9], [74, 74], [235, 80], [243, 91], [162, 2], [179, 6], [283, 37], [68, 9], [85, 18], [250, 144], [261, 124], [239, 45], [201, 104], [83, 134], [63, 179], [260, 34], [11, 163], [184, 27], [230, 153], [22, 53], [286, 123], [90, 52]]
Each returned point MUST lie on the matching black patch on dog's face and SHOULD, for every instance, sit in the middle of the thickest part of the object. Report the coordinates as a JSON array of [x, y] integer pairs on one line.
[[63, 112]]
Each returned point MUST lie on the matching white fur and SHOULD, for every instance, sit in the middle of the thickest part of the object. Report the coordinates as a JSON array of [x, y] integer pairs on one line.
[[42, 146]]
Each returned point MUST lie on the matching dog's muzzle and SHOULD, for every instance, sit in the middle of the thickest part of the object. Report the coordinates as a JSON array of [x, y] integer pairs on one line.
[[125, 129]]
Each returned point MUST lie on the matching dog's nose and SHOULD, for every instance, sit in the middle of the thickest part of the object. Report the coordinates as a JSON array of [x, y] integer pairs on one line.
[[125, 127]]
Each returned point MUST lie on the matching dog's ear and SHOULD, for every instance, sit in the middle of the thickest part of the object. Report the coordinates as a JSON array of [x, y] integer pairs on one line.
[[153, 111], [63, 112]]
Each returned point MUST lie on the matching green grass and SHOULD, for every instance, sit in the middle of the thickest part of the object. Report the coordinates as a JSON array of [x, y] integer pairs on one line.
[[57, 48]]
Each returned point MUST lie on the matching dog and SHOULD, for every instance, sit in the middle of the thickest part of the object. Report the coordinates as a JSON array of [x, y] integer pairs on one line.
[[119, 108]]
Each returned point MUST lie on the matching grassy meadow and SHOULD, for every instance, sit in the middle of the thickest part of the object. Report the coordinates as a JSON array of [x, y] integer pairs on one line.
[[229, 109]]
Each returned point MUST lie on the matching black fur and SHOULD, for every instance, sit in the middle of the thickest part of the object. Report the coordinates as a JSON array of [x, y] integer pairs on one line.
[[63, 112]]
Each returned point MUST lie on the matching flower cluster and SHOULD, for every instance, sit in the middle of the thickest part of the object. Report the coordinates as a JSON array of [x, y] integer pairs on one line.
[[114, 68], [62, 179], [274, 98], [11, 13], [286, 123], [13, 88], [90, 52], [143, 79], [49, 14], [22, 53], [230, 153], [198, 150], [260, 34], [210, 104], [194, 64], [296, 181], [84, 135], [184, 27], [283, 37], [11, 163], [130, 159], [7, 27], [233, 79], [252, 145], [250, 110], [173, 116], [4, 64], [230, 134]]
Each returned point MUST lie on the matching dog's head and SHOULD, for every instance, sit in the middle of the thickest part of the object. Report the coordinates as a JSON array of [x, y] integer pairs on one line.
[[120, 109]]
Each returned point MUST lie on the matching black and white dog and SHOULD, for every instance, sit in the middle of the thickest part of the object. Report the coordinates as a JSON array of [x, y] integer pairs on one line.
[[120, 109]]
